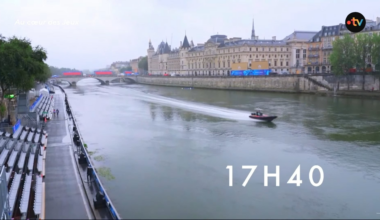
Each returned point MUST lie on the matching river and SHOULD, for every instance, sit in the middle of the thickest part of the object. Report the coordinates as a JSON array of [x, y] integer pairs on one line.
[[167, 150]]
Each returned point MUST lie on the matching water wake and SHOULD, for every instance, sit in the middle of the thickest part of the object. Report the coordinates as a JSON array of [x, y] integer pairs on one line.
[[210, 110]]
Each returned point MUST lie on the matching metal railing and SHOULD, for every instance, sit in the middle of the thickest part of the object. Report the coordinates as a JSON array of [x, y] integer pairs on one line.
[[110, 206], [76, 76], [313, 55], [327, 47], [314, 48]]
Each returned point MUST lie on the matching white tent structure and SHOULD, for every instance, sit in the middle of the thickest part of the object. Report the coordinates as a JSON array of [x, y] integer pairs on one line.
[[44, 92]]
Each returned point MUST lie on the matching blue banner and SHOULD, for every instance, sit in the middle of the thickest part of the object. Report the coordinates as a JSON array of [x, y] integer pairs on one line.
[[250, 72], [16, 126], [35, 103]]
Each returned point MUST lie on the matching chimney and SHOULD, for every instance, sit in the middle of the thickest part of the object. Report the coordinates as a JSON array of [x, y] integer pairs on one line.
[[274, 38]]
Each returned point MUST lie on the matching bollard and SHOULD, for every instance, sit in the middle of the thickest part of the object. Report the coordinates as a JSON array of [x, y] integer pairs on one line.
[[82, 159], [99, 200]]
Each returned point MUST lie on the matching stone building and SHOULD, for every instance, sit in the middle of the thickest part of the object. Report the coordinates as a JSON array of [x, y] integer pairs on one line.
[[217, 54], [320, 46], [135, 64]]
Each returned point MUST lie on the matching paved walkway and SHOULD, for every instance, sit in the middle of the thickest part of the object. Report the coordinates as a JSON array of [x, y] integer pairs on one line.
[[64, 194]]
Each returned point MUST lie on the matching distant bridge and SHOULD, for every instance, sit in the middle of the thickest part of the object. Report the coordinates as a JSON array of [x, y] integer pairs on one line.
[[104, 80]]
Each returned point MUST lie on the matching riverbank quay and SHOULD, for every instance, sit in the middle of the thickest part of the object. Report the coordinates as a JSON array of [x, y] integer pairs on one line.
[[98, 199], [64, 193], [302, 83]]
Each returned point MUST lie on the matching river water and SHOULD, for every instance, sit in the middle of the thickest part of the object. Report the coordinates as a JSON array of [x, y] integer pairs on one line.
[[168, 150]]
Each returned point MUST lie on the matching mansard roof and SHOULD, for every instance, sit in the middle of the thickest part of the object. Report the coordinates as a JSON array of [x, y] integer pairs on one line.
[[301, 35]]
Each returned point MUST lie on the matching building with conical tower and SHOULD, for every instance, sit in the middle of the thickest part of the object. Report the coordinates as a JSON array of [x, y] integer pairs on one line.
[[166, 60], [185, 47], [219, 55]]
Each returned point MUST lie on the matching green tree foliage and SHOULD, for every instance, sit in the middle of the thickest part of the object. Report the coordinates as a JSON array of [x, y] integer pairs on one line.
[[375, 54], [59, 71], [342, 57], [143, 63], [21, 64], [356, 51], [128, 68], [3, 110], [363, 47]]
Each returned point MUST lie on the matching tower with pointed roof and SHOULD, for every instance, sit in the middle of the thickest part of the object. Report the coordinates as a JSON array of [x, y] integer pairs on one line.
[[150, 54], [185, 47], [253, 35]]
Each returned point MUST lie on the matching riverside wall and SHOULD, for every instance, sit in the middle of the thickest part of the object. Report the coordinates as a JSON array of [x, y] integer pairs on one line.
[[323, 84], [289, 83]]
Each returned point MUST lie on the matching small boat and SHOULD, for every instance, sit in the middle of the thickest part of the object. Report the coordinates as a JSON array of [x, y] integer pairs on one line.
[[260, 116]]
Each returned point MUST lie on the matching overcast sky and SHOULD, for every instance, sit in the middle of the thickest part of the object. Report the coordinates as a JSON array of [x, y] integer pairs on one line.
[[98, 33]]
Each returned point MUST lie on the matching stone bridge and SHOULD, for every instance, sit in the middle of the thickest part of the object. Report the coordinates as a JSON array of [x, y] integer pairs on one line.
[[104, 80]]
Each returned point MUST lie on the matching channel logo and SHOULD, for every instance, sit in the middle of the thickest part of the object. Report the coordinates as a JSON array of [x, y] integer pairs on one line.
[[355, 22]]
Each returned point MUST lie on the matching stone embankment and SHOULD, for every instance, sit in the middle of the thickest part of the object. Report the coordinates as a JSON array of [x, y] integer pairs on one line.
[[283, 83]]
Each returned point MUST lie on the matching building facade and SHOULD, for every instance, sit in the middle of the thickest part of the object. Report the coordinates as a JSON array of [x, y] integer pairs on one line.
[[320, 46], [135, 64], [299, 52]]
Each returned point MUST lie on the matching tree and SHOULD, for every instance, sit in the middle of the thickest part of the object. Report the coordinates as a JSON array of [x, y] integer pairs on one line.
[[21, 64], [342, 57], [128, 68], [363, 47], [59, 71], [375, 54], [143, 63]]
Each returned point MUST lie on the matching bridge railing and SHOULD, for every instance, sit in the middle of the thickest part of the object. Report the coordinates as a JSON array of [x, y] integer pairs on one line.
[[90, 76], [110, 206], [229, 76]]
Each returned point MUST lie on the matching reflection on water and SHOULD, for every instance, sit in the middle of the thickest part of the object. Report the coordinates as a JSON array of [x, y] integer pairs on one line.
[[170, 143]]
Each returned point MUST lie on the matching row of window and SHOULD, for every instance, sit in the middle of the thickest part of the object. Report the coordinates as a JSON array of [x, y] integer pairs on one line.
[[269, 49], [223, 64]]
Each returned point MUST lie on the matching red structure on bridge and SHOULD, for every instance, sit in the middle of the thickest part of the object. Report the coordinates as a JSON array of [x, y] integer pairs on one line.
[[72, 74], [103, 73]]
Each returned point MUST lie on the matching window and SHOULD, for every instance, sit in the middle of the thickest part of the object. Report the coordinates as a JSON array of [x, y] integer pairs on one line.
[[298, 53], [250, 49], [281, 63], [257, 49], [275, 63], [287, 63]]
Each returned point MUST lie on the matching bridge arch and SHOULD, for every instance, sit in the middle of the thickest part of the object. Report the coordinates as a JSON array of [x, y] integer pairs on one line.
[[130, 80], [104, 80]]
